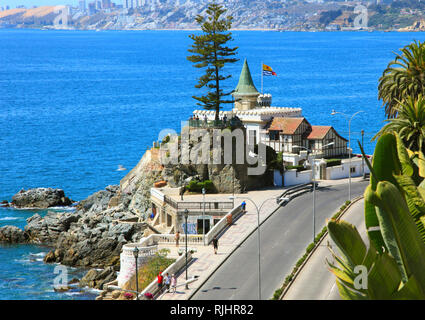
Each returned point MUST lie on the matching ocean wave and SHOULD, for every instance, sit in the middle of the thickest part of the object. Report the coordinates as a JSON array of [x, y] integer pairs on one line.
[[92, 290], [73, 293], [10, 218], [62, 208], [39, 254], [68, 208]]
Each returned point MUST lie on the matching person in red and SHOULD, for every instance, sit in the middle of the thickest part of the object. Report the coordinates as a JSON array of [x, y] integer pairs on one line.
[[160, 278]]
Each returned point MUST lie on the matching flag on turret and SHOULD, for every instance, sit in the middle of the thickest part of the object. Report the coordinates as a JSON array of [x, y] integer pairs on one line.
[[268, 71]]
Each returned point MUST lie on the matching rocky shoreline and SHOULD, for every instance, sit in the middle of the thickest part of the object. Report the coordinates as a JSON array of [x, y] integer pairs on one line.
[[92, 235]]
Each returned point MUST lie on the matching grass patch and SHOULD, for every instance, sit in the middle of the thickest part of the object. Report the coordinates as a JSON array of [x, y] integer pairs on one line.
[[149, 270]]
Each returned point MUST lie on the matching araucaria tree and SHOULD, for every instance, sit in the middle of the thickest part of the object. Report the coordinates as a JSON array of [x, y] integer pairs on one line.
[[210, 52]]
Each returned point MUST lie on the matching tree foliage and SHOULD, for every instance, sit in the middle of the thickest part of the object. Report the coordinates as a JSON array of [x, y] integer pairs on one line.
[[395, 224], [210, 52], [403, 77], [410, 123]]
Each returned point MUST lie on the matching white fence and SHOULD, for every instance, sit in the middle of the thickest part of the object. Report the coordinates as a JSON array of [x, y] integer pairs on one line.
[[128, 262], [277, 178], [292, 177]]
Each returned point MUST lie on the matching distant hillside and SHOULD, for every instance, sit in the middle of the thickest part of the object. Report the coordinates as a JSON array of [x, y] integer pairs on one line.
[[181, 14]]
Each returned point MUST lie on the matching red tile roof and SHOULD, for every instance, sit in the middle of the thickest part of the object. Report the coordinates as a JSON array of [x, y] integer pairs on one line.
[[285, 125], [318, 132]]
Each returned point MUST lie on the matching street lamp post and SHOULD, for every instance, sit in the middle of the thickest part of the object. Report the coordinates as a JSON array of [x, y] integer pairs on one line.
[[136, 256], [258, 231], [349, 146], [186, 214], [313, 166], [362, 132], [203, 215]]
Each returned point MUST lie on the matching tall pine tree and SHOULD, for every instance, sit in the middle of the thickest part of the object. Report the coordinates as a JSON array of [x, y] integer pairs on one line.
[[212, 53]]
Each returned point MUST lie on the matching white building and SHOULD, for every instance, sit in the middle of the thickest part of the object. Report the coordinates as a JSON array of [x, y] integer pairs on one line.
[[278, 127]]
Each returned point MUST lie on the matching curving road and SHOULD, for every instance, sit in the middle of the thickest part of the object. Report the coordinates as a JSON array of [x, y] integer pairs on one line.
[[284, 238]]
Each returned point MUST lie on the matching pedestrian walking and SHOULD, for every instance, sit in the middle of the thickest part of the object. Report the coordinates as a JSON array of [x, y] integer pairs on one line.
[[160, 280], [167, 281], [215, 244], [243, 205], [173, 283], [177, 238]]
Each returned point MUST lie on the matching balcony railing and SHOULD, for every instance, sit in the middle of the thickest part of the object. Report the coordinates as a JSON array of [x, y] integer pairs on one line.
[[221, 124], [197, 206]]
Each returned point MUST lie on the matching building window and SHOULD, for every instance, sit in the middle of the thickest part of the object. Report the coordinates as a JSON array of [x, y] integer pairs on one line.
[[353, 169], [274, 135]]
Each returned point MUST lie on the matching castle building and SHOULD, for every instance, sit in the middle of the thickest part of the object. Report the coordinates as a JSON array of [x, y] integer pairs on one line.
[[281, 128]]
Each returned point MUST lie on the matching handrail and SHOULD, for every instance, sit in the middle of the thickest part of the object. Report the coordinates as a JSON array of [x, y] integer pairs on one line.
[[198, 205]]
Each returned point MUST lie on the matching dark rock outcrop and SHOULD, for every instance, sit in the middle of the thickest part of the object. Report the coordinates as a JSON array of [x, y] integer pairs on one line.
[[40, 198], [47, 230], [95, 278], [12, 234], [98, 201]]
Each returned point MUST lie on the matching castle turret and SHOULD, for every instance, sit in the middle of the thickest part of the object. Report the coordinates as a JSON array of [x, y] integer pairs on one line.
[[245, 93]]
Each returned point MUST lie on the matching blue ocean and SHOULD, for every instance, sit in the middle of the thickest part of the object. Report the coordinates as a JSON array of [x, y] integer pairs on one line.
[[76, 104]]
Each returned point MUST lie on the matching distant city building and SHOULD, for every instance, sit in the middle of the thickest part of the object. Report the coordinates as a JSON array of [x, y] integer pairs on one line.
[[82, 5], [106, 4], [7, 7], [98, 5], [92, 8], [333, 27]]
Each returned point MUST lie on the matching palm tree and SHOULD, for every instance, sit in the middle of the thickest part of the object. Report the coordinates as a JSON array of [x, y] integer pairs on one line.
[[410, 123], [403, 77]]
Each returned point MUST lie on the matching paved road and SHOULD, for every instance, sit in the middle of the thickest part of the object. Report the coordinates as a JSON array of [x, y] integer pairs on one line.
[[284, 238], [315, 282]]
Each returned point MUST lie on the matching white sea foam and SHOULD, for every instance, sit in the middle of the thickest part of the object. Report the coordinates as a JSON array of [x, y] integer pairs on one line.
[[39, 254], [61, 208], [9, 218], [74, 293], [92, 290]]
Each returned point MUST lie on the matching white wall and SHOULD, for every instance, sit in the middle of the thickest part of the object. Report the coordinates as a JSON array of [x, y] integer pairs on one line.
[[277, 178], [292, 177], [342, 171]]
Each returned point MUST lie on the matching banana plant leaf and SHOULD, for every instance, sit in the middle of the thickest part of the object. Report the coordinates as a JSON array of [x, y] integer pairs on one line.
[[399, 232]]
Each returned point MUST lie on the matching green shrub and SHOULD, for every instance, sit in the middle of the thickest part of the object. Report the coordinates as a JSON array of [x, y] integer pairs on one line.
[[194, 186], [299, 168], [277, 294], [333, 162], [208, 185], [310, 247]]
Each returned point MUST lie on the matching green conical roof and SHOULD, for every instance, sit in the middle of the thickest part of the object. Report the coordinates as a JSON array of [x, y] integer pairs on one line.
[[245, 85]]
